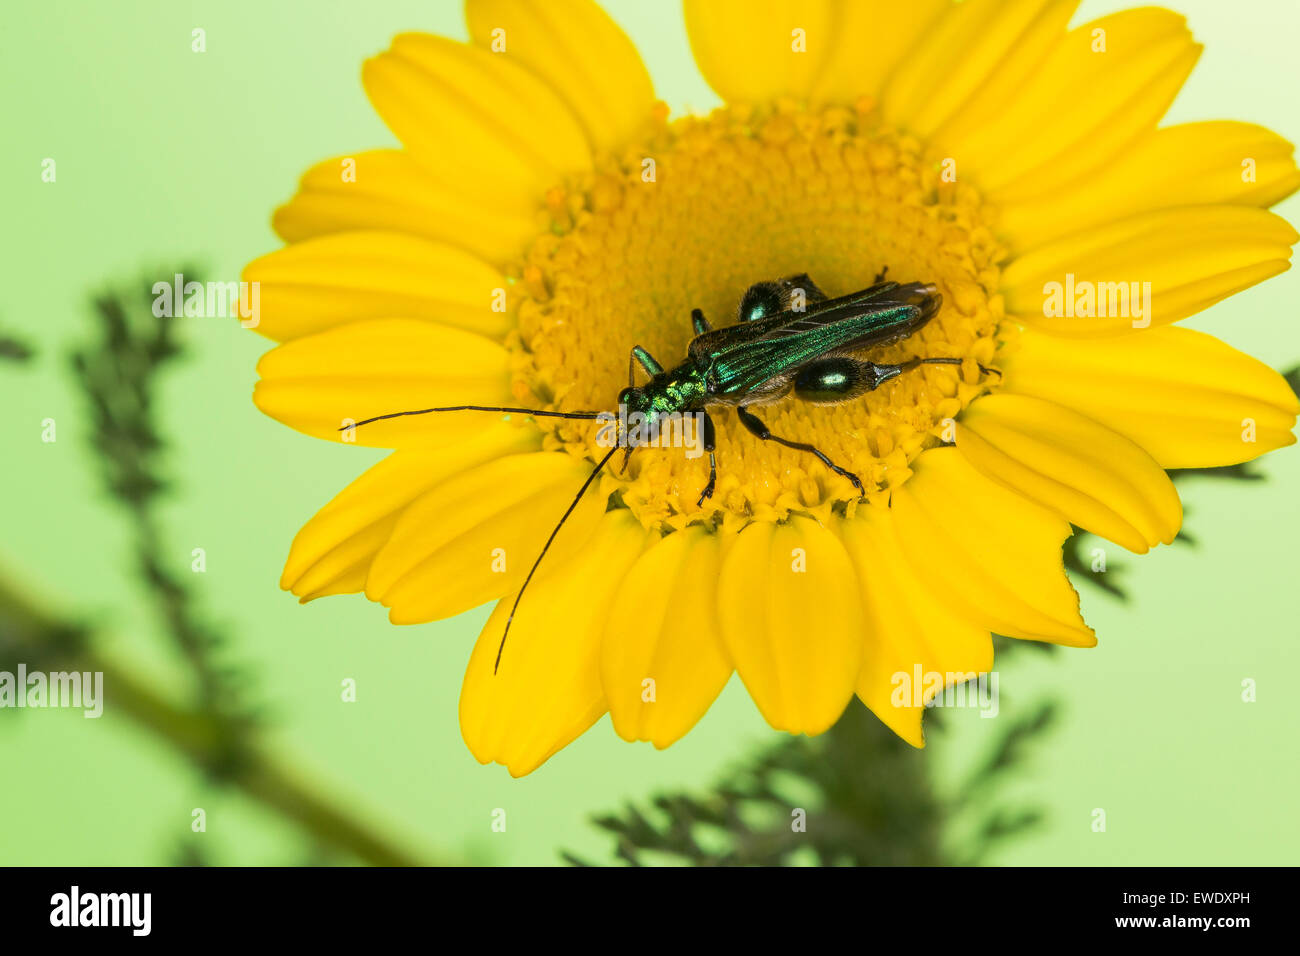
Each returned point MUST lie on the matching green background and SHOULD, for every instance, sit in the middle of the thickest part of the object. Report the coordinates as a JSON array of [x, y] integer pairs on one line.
[[165, 155]]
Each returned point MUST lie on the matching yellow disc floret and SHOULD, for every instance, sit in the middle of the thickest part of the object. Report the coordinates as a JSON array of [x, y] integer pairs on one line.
[[691, 217]]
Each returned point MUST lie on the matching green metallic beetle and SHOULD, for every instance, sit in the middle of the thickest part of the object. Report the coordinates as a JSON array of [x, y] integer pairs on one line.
[[789, 337]]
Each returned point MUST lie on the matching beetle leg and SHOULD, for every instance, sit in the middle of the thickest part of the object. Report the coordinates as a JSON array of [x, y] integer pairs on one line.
[[852, 377], [755, 425], [710, 443], [913, 363], [699, 323], [841, 378], [647, 362]]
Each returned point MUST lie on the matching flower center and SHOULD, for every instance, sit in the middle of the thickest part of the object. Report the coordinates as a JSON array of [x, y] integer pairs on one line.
[[692, 216]]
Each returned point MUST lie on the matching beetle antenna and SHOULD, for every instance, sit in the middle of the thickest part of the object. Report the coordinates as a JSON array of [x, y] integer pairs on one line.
[[537, 412], [578, 497]]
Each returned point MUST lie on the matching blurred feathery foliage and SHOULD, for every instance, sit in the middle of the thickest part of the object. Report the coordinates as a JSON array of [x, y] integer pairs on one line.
[[216, 727], [13, 349], [118, 374], [868, 797]]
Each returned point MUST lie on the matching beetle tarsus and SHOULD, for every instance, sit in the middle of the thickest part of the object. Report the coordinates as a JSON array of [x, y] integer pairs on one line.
[[707, 493]]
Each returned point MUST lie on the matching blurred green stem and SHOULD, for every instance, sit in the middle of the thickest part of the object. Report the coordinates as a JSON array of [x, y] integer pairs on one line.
[[32, 635]]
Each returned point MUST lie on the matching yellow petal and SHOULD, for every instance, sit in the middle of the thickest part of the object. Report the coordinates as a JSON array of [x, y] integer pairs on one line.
[[992, 555], [344, 568], [1092, 476], [1190, 400], [1002, 81], [957, 56], [321, 383], [475, 119], [662, 660], [873, 38], [547, 690], [333, 280], [1191, 256], [385, 189], [1115, 95], [752, 51], [580, 52], [1190, 164], [792, 621], [349, 581], [474, 537], [349, 531], [911, 632]]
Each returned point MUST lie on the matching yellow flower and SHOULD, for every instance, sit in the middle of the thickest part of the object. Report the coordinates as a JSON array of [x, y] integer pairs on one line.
[[543, 215]]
